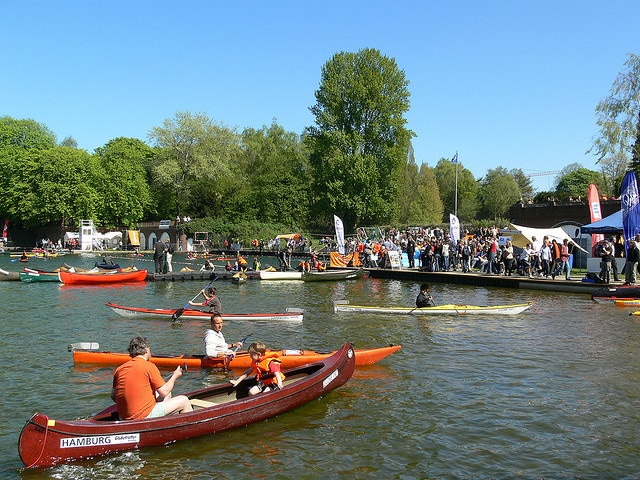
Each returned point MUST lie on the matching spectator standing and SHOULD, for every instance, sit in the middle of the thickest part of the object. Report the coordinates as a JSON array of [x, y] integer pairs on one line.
[[631, 265]]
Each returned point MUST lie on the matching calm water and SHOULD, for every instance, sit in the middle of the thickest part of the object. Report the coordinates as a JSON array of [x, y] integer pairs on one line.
[[551, 393]]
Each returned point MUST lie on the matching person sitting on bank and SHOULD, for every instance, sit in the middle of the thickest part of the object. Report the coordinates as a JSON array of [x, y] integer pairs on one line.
[[211, 301], [267, 372], [424, 298], [140, 391]]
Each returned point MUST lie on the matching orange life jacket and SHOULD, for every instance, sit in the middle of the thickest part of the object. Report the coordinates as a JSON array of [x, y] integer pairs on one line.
[[261, 368]]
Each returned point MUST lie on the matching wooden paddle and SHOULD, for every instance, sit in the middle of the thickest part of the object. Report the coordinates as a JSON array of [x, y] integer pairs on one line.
[[178, 313]]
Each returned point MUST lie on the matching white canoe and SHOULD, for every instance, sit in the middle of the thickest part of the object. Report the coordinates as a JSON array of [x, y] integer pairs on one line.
[[266, 275], [451, 309]]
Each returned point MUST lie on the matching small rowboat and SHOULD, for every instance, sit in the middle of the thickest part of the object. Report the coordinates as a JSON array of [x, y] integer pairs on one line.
[[343, 306], [333, 275], [108, 276], [30, 276], [289, 315], [613, 293], [267, 275], [89, 353], [239, 278], [45, 442]]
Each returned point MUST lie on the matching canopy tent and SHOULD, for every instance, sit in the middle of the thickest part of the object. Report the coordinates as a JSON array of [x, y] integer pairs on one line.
[[526, 234], [610, 224]]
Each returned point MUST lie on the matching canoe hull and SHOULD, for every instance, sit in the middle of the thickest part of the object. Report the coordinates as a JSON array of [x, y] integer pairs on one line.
[[31, 277], [85, 278], [344, 306], [241, 361], [333, 275], [266, 275], [614, 293], [289, 315], [45, 442]]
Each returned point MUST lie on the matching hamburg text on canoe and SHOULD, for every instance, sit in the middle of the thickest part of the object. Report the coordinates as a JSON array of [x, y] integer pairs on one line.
[[75, 442]]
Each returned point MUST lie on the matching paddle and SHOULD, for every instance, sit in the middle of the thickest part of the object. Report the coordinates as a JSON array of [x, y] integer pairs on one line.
[[230, 357], [178, 313]]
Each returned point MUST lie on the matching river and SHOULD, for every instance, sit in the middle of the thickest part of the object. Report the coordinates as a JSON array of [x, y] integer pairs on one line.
[[550, 393]]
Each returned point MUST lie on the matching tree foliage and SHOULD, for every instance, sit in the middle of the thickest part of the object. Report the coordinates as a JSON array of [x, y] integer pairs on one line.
[[25, 134], [124, 190], [359, 142], [498, 191], [195, 150], [445, 172], [576, 183]]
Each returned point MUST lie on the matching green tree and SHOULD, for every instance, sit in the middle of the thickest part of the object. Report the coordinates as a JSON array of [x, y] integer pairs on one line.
[[123, 163], [617, 117], [196, 152], [359, 142], [274, 163], [25, 134], [421, 205], [55, 186], [576, 183], [498, 191], [445, 172], [524, 183]]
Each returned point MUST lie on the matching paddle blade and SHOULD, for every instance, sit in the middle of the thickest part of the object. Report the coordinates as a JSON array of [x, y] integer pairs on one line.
[[176, 315]]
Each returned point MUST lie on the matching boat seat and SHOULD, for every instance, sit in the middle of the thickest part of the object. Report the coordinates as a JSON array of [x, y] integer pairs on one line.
[[196, 402]]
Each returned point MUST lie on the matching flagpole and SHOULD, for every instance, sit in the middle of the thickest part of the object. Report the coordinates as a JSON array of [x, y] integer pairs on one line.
[[455, 210]]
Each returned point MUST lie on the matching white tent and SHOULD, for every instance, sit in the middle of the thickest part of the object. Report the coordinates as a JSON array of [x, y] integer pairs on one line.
[[527, 233]]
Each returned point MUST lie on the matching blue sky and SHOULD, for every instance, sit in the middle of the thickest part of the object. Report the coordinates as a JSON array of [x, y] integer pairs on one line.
[[503, 83]]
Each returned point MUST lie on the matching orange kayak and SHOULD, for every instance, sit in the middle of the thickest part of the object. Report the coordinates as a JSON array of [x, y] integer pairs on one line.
[[87, 353]]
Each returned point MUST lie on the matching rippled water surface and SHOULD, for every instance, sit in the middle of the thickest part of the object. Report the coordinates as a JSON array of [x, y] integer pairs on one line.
[[551, 393]]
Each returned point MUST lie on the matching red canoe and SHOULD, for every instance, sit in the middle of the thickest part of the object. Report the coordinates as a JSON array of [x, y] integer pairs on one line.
[[87, 353], [289, 315], [109, 276], [45, 442]]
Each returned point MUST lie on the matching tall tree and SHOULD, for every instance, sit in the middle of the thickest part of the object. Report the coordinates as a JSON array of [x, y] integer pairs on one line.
[[617, 115], [196, 150], [576, 183], [359, 142], [445, 172], [524, 183], [274, 163], [498, 191], [123, 163]]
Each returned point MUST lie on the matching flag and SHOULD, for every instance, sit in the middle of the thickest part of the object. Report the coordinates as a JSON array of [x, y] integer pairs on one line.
[[339, 233], [5, 230], [630, 207], [455, 158], [596, 214], [454, 228]]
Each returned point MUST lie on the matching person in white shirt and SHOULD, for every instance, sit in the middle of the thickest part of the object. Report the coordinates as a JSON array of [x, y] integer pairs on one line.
[[214, 342]]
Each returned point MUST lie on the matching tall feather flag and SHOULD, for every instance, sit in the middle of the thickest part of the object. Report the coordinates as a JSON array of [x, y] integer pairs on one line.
[[630, 207], [454, 228], [596, 214], [339, 233], [5, 230]]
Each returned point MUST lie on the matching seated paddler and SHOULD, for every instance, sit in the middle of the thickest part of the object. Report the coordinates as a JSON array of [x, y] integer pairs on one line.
[[424, 298], [266, 368]]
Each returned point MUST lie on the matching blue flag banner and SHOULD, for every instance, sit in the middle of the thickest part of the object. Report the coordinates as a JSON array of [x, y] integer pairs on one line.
[[455, 158], [630, 206]]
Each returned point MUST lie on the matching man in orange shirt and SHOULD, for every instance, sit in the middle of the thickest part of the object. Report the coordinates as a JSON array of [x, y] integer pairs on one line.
[[140, 391]]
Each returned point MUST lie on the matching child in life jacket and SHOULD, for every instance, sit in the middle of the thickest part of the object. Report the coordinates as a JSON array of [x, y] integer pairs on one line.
[[266, 368]]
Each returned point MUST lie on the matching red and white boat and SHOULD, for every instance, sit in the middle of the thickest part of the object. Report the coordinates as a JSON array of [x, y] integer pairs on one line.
[[289, 315]]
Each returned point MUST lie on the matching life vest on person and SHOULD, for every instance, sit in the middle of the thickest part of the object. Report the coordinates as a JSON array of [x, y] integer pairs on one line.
[[261, 368]]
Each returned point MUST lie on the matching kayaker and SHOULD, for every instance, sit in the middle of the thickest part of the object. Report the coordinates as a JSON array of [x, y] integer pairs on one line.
[[140, 391], [424, 298], [214, 343], [211, 301], [267, 372]]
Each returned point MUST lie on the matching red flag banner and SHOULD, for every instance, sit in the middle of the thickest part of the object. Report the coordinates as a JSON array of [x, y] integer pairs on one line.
[[351, 260], [5, 230]]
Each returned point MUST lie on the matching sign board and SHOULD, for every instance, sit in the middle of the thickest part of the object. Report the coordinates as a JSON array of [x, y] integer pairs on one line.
[[164, 224], [201, 236], [394, 258]]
